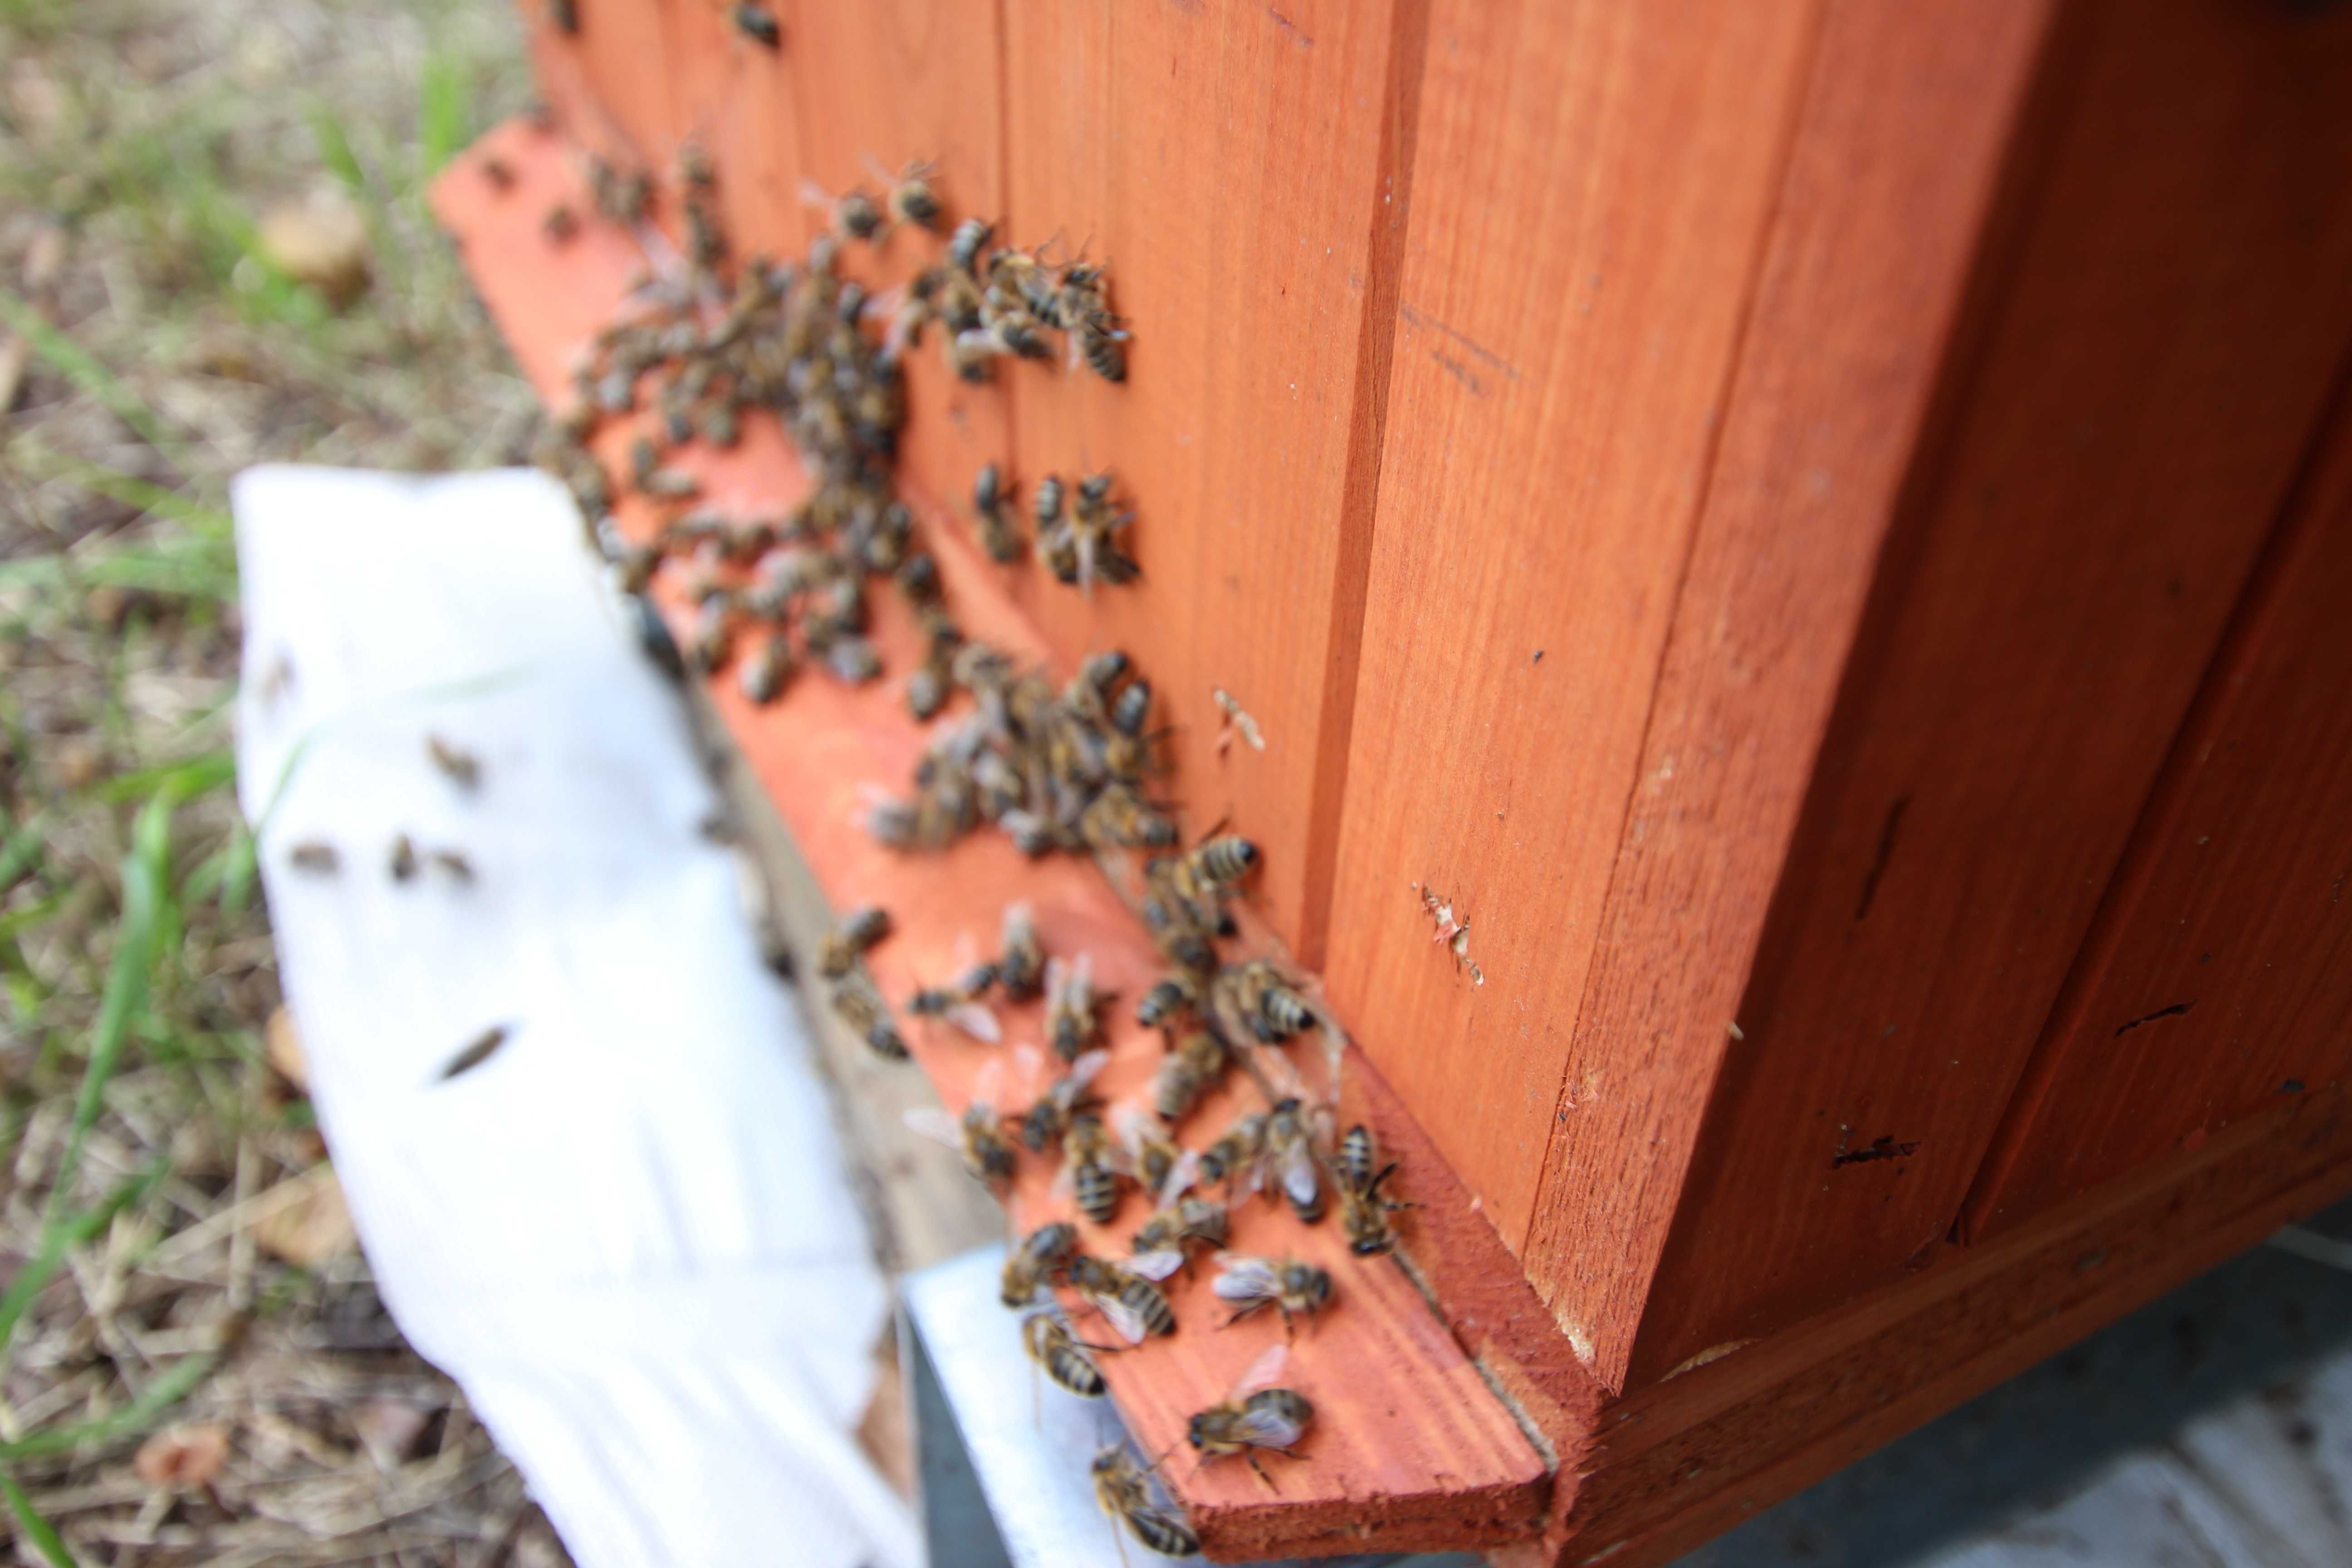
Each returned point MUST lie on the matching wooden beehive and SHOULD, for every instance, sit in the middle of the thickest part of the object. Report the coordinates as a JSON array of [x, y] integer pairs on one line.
[[1817, 530]]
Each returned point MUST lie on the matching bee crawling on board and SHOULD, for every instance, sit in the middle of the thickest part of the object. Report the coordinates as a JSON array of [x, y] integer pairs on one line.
[[1132, 1305], [1021, 966], [767, 672], [1187, 1073], [1148, 1152], [757, 23], [1072, 1006], [978, 1134], [857, 931], [1288, 1156], [1170, 998], [1364, 1209], [1035, 1259], [1164, 1244], [1123, 1491], [958, 1003], [860, 1007], [1234, 1159], [1061, 1355], [1049, 1115], [1291, 1286], [991, 501], [1090, 1169], [1258, 1413]]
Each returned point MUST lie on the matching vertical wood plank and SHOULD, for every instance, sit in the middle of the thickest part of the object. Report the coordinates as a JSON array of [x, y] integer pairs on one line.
[[1591, 188], [889, 83], [2219, 977], [624, 55], [2048, 601], [737, 98], [1228, 161]]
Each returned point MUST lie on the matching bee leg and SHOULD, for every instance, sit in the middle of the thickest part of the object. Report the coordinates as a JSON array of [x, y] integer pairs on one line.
[[1260, 1471]]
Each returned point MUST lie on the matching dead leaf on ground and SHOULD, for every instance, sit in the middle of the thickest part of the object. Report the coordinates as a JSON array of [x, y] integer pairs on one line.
[[284, 1044], [389, 1429], [183, 1457], [310, 1227], [321, 240]]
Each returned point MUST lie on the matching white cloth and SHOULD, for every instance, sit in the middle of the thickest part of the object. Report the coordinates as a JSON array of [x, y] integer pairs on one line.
[[628, 1234]]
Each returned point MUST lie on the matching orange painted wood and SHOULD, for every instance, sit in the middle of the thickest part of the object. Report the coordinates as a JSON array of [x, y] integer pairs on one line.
[[1590, 189], [1859, 286], [738, 100], [1678, 1463], [890, 83], [2045, 606], [1409, 1448], [1234, 164], [624, 55], [2219, 976]]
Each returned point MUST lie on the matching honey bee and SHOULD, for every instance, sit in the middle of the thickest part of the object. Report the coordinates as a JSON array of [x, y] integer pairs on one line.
[[858, 930], [498, 173], [1195, 1066], [453, 865], [853, 660], [1256, 1414], [1150, 1156], [1288, 1156], [624, 198], [1072, 1020], [993, 503], [668, 484], [1102, 341], [1087, 1169], [1049, 1117], [977, 1135], [1253, 999], [965, 246], [483, 1047], [1132, 1305], [1119, 817], [1131, 707], [1223, 862], [402, 861], [1291, 1286], [316, 857], [1123, 1492], [563, 16], [1061, 1355], [855, 214], [1170, 998], [1364, 1209], [911, 199], [1172, 926], [752, 20], [1039, 1255], [713, 642], [958, 1003], [1021, 966], [766, 674], [1046, 506], [854, 1000], [462, 768], [1234, 1157], [561, 223], [1159, 1245]]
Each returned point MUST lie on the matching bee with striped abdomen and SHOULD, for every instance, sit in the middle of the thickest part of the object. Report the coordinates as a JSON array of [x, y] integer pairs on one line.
[[1256, 1414], [1124, 1492], [848, 941], [1161, 1245], [1039, 1256], [1132, 1305], [1061, 1355], [1292, 1286], [1289, 1158]]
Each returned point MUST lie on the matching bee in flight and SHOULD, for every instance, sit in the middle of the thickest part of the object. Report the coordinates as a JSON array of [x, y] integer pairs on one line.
[[1258, 1413]]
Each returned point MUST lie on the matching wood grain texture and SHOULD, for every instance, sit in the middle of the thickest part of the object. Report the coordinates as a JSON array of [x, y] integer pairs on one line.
[[2048, 597], [1226, 158], [626, 55], [886, 84], [1858, 292], [2218, 978], [1590, 193], [738, 100], [1680, 1462], [1410, 1448]]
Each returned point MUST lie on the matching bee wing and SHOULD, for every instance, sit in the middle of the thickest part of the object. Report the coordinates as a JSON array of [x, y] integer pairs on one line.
[[1136, 1125], [1180, 1177], [1124, 1319], [1301, 1178], [975, 1020], [1057, 981], [1268, 1429], [935, 1124], [1243, 1279], [1156, 1265], [1263, 1373], [1085, 1070], [1082, 981], [815, 194]]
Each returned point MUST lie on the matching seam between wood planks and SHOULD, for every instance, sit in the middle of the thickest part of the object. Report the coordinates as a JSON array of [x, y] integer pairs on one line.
[[2300, 511], [1376, 331], [1793, 117]]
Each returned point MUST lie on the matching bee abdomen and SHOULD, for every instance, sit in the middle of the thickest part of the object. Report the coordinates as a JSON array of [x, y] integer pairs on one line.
[[1164, 1532], [1150, 1305], [1096, 1188], [1074, 1372]]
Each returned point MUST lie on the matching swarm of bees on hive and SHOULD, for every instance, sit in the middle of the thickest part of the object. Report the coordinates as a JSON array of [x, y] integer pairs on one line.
[[1053, 766]]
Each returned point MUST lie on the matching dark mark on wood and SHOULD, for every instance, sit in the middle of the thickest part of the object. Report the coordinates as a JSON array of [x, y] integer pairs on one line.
[[1879, 1149], [1460, 371], [1288, 26], [2174, 1011], [1478, 350], [1885, 852]]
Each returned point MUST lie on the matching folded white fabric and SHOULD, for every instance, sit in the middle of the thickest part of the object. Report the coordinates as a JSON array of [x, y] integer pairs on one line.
[[627, 1233]]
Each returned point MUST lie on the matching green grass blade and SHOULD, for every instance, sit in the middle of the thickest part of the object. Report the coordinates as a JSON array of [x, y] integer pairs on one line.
[[196, 776], [138, 1415], [441, 115], [33, 1527], [25, 850], [61, 1236], [335, 148], [76, 364]]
